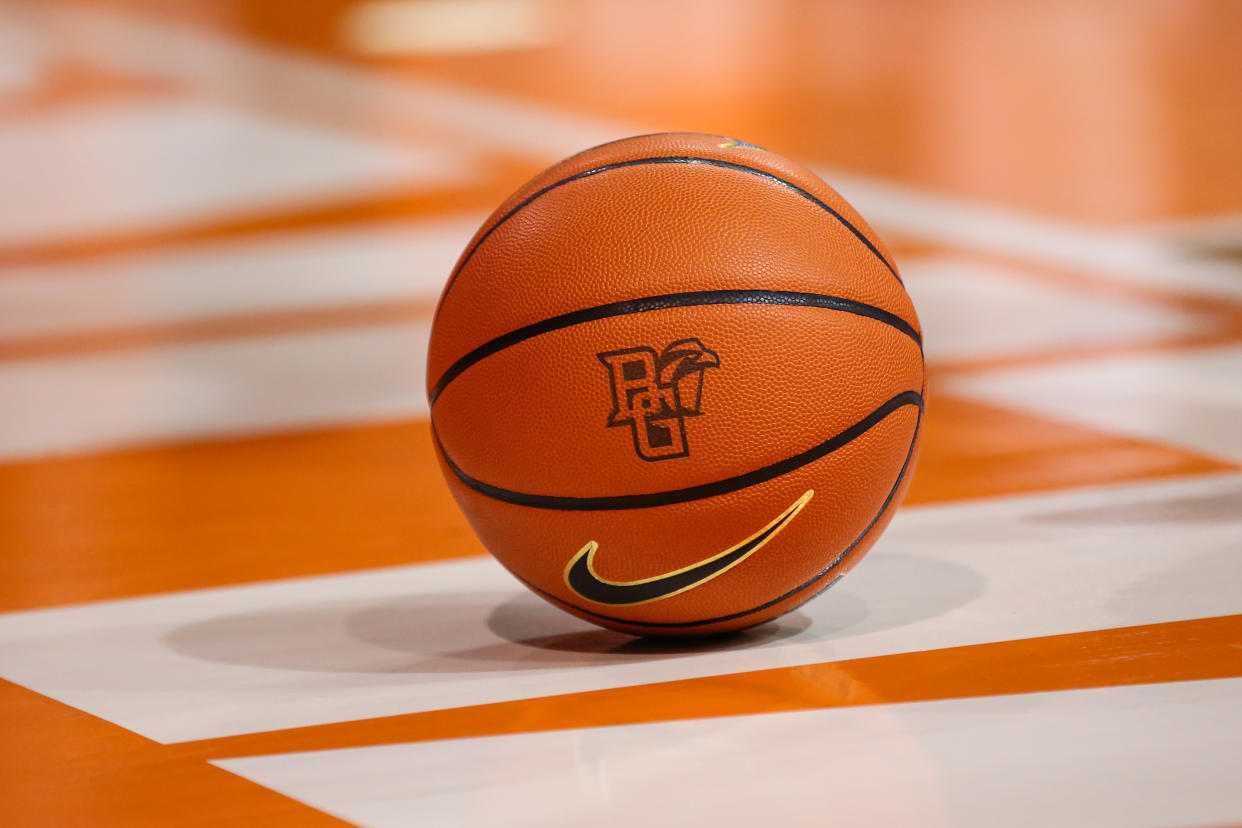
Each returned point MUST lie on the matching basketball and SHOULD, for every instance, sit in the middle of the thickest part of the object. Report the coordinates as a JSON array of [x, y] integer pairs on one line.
[[676, 385]]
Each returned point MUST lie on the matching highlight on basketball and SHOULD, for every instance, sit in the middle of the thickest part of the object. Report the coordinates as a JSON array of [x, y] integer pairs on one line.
[[496, 413]]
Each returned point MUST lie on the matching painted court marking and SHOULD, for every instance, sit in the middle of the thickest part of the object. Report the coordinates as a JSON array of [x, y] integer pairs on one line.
[[965, 762], [69, 172], [1186, 398], [962, 302], [296, 652], [389, 262], [207, 389]]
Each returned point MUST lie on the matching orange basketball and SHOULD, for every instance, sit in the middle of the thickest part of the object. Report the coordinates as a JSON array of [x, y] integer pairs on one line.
[[676, 385]]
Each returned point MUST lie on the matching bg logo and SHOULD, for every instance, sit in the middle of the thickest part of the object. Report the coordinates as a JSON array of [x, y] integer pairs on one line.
[[653, 394]]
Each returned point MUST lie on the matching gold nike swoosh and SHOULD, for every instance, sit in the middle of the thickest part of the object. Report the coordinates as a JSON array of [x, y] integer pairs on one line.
[[580, 575]]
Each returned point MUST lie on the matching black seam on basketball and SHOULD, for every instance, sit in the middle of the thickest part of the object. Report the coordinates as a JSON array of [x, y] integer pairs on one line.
[[664, 302], [666, 159], [700, 492], [837, 561]]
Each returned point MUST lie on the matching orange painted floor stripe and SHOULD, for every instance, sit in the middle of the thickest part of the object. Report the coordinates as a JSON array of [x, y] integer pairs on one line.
[[1205, 648], [241, 326], [213, 513], [239, 510], [62, 767]]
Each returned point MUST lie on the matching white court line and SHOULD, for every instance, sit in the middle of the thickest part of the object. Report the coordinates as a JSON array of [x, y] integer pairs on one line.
[[143, 163], [54, 406], [1116, 757], [1190, 398], [387, 262], [1218, 230], [961, 303], [214, 662], [1126, 254], [24, 51]]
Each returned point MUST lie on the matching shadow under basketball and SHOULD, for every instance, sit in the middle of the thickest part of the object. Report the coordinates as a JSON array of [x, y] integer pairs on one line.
[[500, 631]]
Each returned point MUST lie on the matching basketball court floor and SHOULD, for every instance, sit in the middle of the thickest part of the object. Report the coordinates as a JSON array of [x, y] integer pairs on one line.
[[235, 590]]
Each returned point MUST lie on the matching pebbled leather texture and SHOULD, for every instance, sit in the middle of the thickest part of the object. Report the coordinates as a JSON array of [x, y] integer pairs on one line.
[[540, 424]]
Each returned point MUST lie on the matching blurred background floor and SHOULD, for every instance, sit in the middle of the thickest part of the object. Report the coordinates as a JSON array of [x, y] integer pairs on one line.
[[223, 536]]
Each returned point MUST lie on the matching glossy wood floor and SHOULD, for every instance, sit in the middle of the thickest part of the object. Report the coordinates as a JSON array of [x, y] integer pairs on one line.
[[234, 590]]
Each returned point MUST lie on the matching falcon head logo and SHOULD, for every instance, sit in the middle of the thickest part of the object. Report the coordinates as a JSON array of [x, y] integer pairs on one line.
[[654, 393]]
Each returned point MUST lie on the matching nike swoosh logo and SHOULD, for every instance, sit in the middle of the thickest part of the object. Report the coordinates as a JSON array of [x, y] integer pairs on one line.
[[580, 575]]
